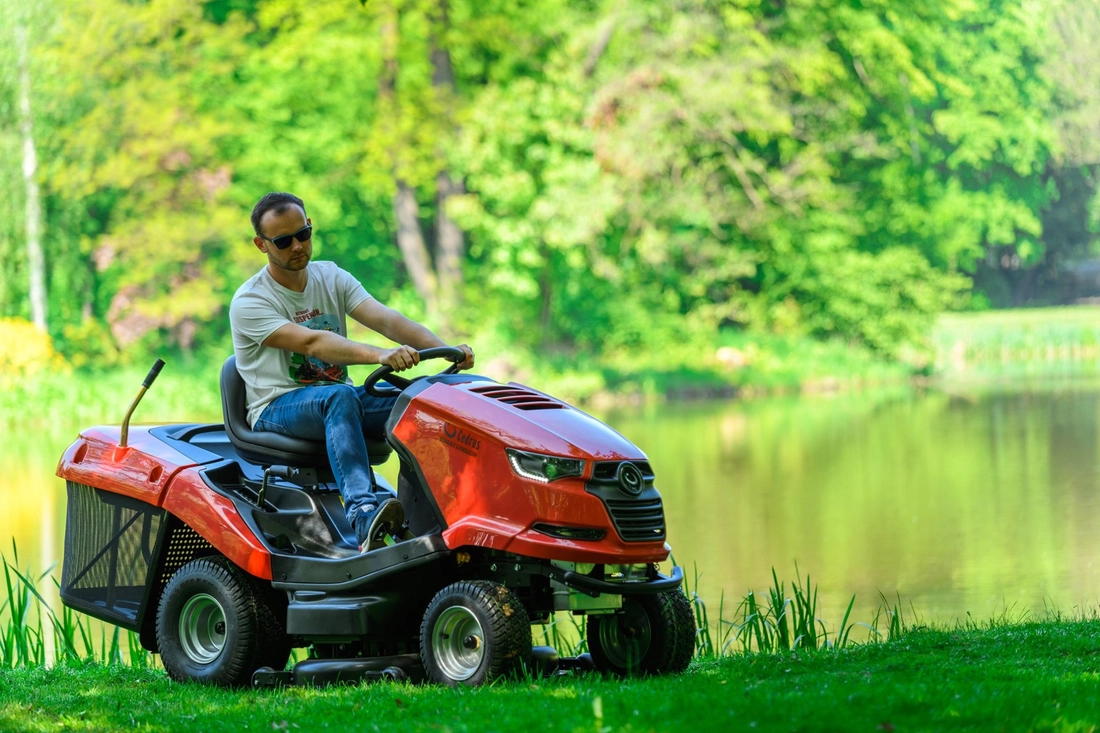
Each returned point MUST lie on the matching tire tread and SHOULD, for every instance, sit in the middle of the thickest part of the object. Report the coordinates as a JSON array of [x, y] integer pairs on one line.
[[255, 625], [672, 642], [509, 629]]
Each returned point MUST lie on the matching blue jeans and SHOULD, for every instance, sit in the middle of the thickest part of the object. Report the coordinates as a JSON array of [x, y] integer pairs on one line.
[[345, 415]]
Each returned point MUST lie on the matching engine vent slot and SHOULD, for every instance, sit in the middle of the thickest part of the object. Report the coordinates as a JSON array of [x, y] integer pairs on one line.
[[519, 398]]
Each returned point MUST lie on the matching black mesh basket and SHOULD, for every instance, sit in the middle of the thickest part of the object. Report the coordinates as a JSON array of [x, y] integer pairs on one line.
[[110, 551]]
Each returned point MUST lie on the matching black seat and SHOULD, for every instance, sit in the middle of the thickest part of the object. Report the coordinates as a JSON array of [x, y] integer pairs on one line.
[[269, 449]]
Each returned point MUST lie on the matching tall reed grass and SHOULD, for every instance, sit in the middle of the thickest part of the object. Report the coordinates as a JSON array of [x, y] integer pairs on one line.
[[1036, 339], [777, 620], [774, 621], [71, 638]]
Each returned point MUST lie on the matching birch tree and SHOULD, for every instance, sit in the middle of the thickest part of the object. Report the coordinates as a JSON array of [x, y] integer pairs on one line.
[[36, 266]]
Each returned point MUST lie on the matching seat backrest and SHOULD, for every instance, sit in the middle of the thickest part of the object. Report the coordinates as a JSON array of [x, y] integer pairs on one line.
[[264, 448], [269, 449]]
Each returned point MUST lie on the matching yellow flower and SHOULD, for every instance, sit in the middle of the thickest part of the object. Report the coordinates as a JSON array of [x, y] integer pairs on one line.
[[25, 351]]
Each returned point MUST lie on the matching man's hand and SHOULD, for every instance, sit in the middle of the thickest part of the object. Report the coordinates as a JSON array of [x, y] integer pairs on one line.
[[404, 357], [468, 362], [401, 358]]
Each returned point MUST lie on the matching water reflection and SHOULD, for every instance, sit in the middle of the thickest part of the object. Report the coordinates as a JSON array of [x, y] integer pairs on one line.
[[971, 501], [966, 502]]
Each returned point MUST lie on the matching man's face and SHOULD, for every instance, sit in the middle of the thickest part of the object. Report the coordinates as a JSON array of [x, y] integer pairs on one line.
[[274, 225]]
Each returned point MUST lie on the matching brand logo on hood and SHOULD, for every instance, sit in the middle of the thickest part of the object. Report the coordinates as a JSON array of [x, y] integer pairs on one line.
[[460, 439]]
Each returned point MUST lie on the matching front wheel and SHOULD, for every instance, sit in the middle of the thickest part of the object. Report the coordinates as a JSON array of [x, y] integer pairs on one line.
[[473, 632], [214, 625], [650, 635]]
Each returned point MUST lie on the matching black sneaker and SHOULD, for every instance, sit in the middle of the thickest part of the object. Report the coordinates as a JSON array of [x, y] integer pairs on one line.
[[373, 528]]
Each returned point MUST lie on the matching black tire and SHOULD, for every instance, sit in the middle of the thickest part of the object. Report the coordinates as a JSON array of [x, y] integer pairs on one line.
[[275, 646], [651, 635], [214, 625], [473, 632]]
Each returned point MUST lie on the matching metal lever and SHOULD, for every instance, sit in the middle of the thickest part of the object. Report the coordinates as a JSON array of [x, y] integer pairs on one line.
[[278, 472], [145, 385]]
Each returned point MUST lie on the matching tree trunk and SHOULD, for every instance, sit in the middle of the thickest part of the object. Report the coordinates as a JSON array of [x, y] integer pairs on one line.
[[450, 243], [413, 250], [599, 46], [35, 261], [546, 294], [410, 240]]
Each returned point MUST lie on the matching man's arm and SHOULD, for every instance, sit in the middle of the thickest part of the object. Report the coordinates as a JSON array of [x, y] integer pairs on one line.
[[335, 349], [403, 330], [325, 345]]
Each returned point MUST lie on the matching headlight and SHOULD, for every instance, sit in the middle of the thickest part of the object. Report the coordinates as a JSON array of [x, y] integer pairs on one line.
[[538, 467]]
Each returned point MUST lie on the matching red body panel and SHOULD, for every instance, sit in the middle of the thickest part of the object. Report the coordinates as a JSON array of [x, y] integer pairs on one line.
[[458, 438], [141, 470], [217, 521], [152, 472]]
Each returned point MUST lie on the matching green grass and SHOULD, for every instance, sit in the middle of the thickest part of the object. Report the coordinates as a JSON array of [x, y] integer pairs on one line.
[[735, 363], [1037, 676], [183, 392], [766, 363], [772, 666], [32, 633], [1015, 343]]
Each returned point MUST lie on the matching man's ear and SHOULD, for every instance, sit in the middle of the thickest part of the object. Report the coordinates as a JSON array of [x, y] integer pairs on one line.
[[260, 244]]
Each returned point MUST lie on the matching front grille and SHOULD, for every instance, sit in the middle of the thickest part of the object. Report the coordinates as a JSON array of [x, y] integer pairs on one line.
[[638, 518], [519, 398]]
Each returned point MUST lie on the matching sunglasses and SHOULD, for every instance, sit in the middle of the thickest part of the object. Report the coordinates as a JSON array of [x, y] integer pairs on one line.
[[288, 239]]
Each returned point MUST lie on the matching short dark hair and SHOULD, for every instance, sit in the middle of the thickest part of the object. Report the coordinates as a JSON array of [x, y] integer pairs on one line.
[[279, 202]]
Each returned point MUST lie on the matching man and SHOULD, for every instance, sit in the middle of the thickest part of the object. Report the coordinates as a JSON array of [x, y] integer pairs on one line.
[[290, 338]]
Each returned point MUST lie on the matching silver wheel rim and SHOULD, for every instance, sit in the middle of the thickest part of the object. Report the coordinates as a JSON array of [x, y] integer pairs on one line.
[[625, 638], [458, 643], [202, 628]]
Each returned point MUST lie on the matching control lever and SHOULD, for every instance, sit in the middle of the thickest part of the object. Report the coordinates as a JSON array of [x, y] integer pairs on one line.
[[286, 472], [149, 379]]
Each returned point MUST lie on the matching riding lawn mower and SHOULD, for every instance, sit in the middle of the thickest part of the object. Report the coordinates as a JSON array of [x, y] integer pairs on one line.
[[225, 548]]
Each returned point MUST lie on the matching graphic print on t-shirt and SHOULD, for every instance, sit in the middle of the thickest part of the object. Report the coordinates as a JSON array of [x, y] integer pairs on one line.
[[309, 370]]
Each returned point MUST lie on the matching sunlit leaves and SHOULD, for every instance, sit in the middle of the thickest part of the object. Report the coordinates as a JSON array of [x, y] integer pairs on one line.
[[811, 166]]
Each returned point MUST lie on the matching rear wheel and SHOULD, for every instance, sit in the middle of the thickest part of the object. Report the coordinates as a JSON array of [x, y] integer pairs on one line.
[[214, 625], [652, 634], [473, 632]]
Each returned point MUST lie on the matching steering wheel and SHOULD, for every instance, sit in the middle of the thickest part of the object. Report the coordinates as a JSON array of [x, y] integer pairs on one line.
[[400, 384]]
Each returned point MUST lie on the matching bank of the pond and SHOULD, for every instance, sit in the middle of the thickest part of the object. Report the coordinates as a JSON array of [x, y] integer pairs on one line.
[[1018, 342], [1038, 676], [970, 347], [1007, 344], [188, 388]]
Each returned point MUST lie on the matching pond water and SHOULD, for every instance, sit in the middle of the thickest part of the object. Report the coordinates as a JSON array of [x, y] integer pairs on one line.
[[979, 501]]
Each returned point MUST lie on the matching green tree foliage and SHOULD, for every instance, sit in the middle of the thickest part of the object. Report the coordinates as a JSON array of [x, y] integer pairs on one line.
[[139, 147], [810, 167], [634, 173]]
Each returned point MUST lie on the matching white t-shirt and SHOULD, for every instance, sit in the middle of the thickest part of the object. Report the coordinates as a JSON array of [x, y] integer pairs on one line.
[[261, 306]]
